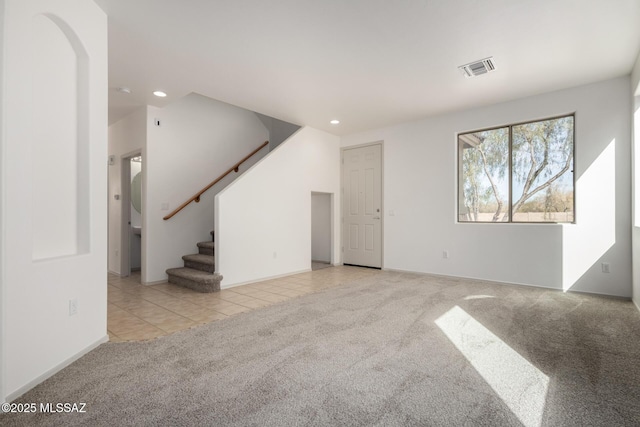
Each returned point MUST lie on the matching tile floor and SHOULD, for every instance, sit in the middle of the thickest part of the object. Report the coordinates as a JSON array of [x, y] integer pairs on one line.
[[319, 265], [137, 312]]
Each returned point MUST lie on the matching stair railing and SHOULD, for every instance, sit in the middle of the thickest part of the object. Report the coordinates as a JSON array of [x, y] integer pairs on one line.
[[234, 168]]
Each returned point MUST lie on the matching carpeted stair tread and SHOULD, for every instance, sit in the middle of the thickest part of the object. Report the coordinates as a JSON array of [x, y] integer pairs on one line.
[[199, 269], [190, 273], [199, 262], [205, 248], [206, 244], [197, 280], [203, 259]]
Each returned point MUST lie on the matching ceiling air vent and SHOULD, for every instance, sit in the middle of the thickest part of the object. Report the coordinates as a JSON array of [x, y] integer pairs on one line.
[[477, 68]]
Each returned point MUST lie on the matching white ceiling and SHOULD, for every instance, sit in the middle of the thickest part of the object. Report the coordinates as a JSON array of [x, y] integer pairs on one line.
[[369, 63]]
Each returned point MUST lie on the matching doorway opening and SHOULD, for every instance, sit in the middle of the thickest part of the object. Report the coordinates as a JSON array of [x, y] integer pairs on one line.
[[321, 230], [131, 237]]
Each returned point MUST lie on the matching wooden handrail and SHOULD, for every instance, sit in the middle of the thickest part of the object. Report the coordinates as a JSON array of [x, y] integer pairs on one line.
[[234, 168]]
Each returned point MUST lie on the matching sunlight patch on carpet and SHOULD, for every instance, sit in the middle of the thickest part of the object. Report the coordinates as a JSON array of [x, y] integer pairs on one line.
[[520, 385]]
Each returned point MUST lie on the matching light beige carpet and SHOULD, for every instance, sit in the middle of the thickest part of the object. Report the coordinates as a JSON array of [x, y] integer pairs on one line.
[[392, 350]]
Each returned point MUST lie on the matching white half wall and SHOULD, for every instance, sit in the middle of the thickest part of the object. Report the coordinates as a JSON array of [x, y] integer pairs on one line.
[[198, 139], [263, 220], [126, 136], [54, 79], [420, 187]]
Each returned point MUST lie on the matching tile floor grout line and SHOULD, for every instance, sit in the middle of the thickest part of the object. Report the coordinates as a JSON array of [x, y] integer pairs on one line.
[[145, 321], [178, 314]]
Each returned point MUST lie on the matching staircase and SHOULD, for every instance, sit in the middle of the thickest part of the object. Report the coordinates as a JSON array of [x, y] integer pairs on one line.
[[198, 272]]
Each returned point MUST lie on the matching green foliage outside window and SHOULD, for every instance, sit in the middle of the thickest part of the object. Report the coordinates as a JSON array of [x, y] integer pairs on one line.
[[518, 173]]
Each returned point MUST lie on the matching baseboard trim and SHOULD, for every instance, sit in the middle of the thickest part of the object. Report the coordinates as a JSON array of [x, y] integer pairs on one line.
[[157, 282], [620, 297], [635, 303], [60, 366], [264, 278]]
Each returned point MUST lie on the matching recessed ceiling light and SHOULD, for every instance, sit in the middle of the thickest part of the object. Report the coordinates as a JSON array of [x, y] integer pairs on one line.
[[159, 93], [123, 89], [335, 122]]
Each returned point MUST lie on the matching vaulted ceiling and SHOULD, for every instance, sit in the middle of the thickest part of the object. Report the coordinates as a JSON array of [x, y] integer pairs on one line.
[[368, 63]]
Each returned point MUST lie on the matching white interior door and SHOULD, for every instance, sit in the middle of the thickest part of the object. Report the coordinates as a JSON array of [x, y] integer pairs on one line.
[[362, 206]]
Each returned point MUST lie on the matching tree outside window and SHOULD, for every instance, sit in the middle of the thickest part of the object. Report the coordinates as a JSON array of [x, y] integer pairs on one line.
[[517, 173]]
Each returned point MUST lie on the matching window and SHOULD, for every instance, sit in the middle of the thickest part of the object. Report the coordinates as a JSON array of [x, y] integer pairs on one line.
[[517, 173]]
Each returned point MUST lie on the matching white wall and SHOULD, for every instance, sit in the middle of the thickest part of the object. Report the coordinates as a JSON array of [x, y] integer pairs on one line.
[[321, 227], [420, 186], [197, 140], [263, 221], [635, 77], [3, 207], [635, 88], [54, 74], [636, 195], [127, 136]]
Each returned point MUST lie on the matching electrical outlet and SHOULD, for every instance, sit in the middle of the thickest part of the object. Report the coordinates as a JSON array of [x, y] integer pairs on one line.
[[73, 307], [445, 254], [275, 255], [606, 268]]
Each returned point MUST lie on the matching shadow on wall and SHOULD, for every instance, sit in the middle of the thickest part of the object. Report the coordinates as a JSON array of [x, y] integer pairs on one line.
[[279, 130]]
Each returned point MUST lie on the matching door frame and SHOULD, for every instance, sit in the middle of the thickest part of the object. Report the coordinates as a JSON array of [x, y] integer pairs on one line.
[[342, 203], [125, 212]]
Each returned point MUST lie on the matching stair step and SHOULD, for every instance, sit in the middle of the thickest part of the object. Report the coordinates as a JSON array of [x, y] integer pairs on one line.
[[206, 248], [200, 262], [197, 280]]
